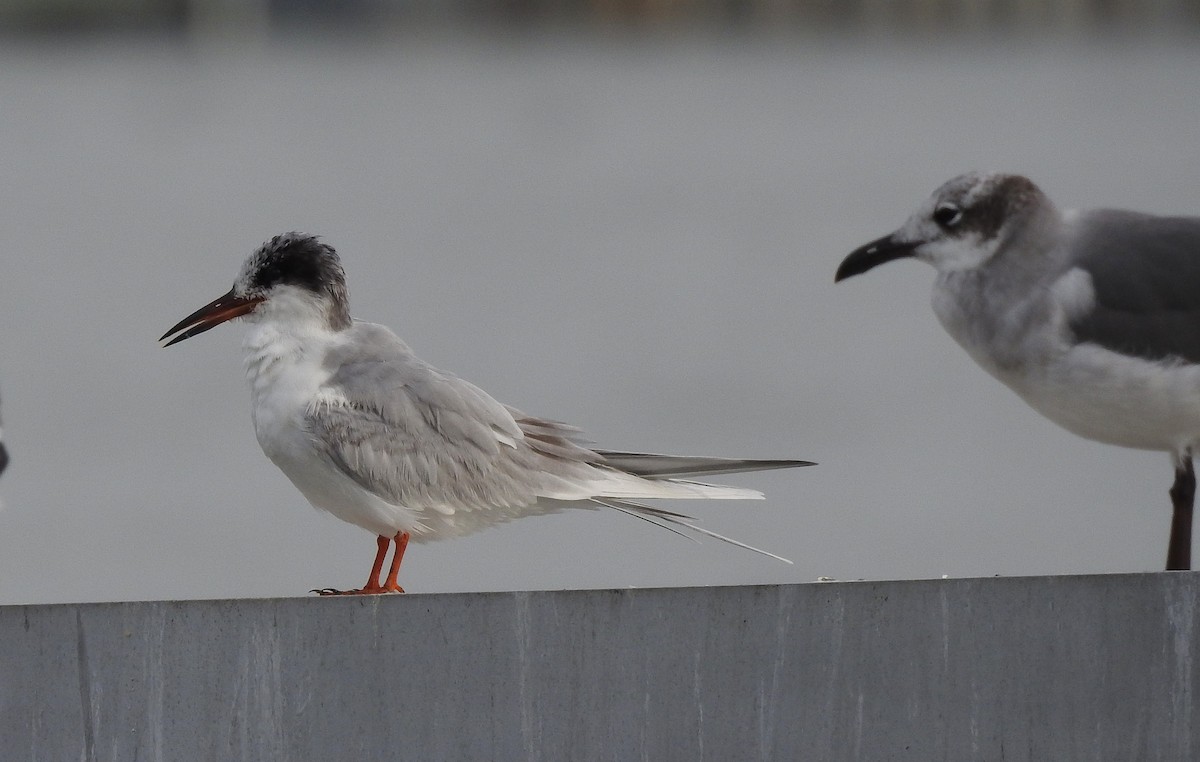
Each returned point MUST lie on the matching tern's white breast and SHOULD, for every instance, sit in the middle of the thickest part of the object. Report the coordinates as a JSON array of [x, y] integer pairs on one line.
[[287, 378]]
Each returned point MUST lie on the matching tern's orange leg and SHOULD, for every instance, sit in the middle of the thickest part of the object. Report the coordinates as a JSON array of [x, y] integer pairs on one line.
[[373, 587], [391, 585], [381, 549]]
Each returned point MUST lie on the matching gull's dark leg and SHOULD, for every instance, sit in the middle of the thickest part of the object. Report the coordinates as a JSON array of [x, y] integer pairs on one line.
[[1183, 495]]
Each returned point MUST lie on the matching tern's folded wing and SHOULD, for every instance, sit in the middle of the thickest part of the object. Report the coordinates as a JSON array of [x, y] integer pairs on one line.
[[425, 439]]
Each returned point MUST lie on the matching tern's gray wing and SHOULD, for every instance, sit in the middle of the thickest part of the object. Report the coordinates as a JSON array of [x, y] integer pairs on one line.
[[1146, 274], [430, 441], [439, 446]]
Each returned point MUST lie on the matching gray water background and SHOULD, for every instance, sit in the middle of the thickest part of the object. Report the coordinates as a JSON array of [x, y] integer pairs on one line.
[[635, 233]]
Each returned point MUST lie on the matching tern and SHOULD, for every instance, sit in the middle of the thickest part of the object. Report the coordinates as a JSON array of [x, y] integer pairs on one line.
[[385, 441], [1092, 317]]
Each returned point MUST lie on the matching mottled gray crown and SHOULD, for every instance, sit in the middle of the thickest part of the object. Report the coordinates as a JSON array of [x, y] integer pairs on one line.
[[294, 259], [302, 261]]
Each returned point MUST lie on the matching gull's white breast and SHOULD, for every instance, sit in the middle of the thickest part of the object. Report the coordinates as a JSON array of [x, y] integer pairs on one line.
[[1024, 340], [1113, 398]]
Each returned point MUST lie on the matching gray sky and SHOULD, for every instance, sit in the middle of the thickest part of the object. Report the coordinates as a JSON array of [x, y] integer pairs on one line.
[[639, 238]]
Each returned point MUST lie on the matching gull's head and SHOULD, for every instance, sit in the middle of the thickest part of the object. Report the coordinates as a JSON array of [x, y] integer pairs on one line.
[[292, 278], [960, 227]]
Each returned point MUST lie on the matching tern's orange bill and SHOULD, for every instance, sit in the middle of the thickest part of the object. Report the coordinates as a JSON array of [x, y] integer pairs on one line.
[[223, 308]]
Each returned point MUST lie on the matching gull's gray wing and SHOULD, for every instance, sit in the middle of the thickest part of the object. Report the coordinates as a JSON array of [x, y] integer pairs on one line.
[[430, 441], [1145, 271]]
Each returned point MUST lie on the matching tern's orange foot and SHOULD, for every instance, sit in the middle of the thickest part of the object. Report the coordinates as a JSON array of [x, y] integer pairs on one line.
[[360, 591]]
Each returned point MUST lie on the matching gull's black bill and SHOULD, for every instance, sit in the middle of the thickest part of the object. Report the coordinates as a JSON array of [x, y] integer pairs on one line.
[[223, 308], [874, 254]]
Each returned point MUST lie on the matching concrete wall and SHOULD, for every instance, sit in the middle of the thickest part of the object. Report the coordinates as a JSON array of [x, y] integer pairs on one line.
[[1028, 668]]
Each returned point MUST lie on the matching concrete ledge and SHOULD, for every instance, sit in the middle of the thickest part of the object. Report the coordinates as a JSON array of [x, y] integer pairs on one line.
[[1020, 668]]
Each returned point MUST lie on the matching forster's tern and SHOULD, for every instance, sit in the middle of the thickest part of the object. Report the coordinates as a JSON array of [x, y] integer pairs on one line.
[[385, 441], [1092, 317]]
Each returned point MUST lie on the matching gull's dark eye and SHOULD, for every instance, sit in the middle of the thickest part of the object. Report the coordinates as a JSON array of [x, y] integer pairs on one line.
[[947, 215]]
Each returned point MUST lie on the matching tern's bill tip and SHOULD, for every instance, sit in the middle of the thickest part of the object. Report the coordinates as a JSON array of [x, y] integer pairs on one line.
[[162, 340]]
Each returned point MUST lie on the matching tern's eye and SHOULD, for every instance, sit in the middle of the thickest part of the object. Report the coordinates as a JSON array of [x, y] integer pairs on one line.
[[947, 215]]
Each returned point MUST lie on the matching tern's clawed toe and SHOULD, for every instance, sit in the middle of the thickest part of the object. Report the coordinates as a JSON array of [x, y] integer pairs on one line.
[[326, 591]]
